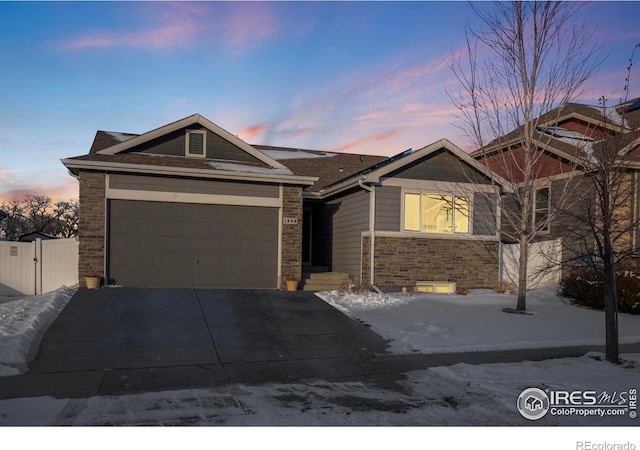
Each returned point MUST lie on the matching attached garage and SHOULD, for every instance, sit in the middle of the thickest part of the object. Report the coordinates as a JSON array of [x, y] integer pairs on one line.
[[164, 244], [187, 205]]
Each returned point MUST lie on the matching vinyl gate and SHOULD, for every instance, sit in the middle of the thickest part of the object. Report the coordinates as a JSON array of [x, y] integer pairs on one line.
[[37, 267], [543, 267]]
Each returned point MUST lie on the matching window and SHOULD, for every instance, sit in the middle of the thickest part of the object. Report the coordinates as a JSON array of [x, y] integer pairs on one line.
[[432, 213], [196, 143], [541, 209]]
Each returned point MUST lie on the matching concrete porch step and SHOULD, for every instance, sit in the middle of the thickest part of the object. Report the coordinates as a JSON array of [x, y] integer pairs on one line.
[[327, 281]]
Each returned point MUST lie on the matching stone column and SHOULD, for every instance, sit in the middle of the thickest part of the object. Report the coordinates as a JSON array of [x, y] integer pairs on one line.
[[91, 225], [291, 234]]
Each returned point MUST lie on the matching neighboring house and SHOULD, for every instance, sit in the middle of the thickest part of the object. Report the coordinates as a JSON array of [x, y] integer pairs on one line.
[[566, 139], [191, 205]]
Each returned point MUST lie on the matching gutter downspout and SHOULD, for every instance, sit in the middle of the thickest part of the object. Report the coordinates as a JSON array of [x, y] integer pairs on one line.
[[372, 229]]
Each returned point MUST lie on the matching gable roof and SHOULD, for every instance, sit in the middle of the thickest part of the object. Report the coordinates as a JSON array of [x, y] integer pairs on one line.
[[194, 119], [376, 172], [110, 151]]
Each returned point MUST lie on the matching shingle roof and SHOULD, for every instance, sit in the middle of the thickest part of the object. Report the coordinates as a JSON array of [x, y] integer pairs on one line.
[[330, 167], [613, 118], [106, 139]]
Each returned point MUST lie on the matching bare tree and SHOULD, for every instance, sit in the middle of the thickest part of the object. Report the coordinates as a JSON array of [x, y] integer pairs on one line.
[[604, 231], [36, 213], [527, 60], [67, 214], [13, 225]]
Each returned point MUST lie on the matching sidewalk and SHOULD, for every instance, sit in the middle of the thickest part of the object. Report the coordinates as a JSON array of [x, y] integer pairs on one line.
[[381, 371]]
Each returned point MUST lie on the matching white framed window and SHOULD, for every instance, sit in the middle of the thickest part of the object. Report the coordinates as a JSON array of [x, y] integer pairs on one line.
[[435, 213], [541, 209], [196, 143]]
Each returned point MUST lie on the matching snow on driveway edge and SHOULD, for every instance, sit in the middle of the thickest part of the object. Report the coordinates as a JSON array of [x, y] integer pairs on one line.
[[23, 322]]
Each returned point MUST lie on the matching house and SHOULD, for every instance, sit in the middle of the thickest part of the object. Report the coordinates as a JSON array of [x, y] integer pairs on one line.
[[191, 205], [566, 140]]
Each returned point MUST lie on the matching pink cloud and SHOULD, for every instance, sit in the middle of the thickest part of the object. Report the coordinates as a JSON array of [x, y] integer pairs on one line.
[[377, 137], [67, 190], [170, 25], [246, 23], [252, 131], [179, 24], [296, 132]]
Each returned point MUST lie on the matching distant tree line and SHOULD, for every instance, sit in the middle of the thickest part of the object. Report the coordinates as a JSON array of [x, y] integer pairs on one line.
[[37, 213]]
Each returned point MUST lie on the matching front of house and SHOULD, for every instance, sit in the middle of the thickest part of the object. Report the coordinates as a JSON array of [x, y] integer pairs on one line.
[[191, 205]]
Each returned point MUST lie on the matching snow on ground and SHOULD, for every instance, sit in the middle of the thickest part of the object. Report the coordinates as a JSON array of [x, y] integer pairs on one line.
[[433, 323], [22, 323], [458, 395], [462, 394]]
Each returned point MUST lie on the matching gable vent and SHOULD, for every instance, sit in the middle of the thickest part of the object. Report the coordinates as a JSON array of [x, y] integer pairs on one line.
[[196, 143]]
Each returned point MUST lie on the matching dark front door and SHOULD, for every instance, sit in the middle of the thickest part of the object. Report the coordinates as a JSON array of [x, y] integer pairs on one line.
[[307, 226]]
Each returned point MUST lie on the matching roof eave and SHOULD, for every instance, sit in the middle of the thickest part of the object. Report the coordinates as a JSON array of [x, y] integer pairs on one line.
[[74, 166]]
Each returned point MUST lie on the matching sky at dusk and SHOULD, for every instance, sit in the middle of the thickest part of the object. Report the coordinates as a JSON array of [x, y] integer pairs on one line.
[[363, 77]]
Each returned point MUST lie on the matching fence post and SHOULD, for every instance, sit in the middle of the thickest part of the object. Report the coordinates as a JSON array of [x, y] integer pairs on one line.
[[37, 259]]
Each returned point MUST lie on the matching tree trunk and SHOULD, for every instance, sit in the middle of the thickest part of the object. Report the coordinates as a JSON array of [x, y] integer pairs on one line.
[[610, 305], [522, 274]]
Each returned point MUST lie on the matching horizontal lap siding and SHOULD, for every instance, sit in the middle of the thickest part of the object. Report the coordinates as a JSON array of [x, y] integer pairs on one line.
[[167, 184], [349, 217], [388, 213], [484, 213]]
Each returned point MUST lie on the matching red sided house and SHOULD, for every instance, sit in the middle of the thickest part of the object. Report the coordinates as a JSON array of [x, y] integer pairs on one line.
[[567, 141], [191, 205]]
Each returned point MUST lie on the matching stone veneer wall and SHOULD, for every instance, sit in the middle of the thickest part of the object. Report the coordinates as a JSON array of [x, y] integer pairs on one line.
[[291, 234], [91, 225], [401, 261]]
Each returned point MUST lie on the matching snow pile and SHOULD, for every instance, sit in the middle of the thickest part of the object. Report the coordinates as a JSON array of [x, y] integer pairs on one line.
[[366, 301], [24, 322], [434, 323]]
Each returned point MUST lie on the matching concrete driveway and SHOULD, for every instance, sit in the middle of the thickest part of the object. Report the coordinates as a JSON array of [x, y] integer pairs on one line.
[[125, 340]]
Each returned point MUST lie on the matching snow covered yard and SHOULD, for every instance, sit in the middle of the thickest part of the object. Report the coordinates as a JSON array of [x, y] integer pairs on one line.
[[432, 323], [462, 394]]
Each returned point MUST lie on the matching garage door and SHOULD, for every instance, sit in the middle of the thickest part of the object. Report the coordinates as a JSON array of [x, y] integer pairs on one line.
[[157, 244]]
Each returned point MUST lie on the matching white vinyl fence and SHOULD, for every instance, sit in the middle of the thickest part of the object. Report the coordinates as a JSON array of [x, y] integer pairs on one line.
[[37, 267], [543, 267]]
